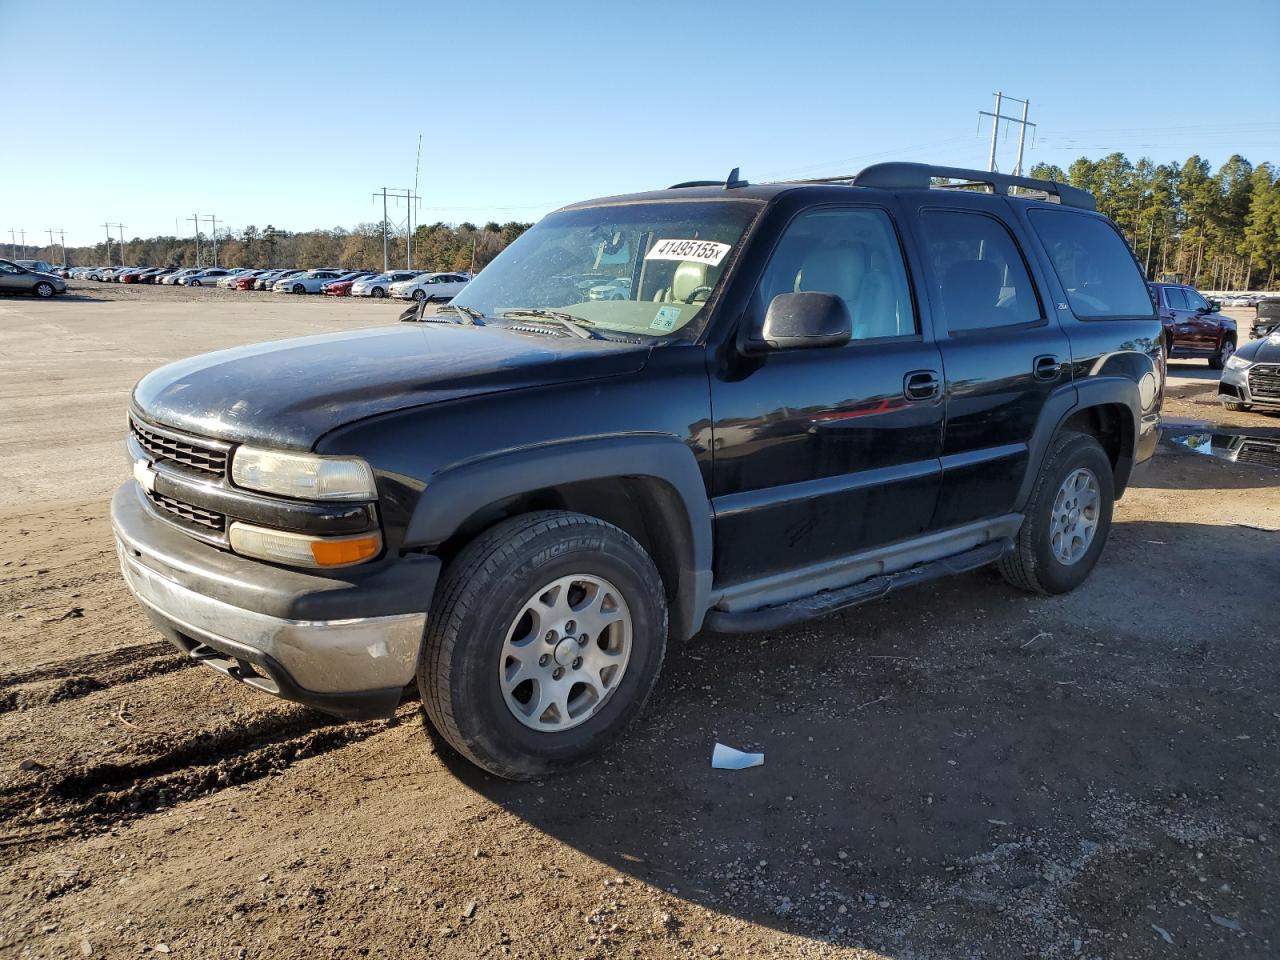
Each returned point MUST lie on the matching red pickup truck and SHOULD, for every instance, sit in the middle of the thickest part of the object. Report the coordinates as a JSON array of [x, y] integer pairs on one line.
[[1193, 326]]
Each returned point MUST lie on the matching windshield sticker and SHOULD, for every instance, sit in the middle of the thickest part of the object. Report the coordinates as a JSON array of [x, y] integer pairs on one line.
[[699, 251], [666, 318]]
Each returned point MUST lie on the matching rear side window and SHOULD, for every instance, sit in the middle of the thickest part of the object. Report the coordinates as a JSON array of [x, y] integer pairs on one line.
[[1094, 264], [1175, 298], [981, 276]]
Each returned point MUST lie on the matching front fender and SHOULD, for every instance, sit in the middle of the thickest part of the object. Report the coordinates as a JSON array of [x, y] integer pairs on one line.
[[459, 492]]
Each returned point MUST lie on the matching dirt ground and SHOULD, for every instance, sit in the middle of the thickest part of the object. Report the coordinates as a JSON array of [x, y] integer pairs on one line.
[[960, 771]]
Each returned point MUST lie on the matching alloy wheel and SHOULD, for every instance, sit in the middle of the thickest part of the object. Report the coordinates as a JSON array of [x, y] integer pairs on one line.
[[1074, 520], [565, 652]]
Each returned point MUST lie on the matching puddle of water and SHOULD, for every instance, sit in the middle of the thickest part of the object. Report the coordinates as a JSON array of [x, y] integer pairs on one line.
[[1263, 451]]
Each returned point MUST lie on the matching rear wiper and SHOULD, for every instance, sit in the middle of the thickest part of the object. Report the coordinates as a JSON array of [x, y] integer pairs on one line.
[[575, 325]]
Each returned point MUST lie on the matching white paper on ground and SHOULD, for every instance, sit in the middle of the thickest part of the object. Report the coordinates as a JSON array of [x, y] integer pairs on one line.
[[727, 758]]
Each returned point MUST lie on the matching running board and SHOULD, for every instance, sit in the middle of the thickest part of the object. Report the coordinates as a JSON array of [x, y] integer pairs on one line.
[[829, 601]]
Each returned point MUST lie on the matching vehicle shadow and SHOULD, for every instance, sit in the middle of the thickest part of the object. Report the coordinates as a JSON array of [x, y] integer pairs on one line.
[[959, 769], [1224, 458], [1194, 371]]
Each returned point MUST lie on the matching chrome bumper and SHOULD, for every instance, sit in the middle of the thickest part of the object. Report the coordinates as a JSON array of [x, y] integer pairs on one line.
[[324, 656]]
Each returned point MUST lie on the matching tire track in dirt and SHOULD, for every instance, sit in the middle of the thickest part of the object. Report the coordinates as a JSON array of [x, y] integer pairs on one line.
[[48, 805]]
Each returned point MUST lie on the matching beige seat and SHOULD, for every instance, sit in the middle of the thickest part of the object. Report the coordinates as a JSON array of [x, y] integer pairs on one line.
[[688, 277]]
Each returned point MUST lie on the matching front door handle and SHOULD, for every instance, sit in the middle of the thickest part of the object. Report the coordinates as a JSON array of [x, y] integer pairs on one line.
[[921, 384], [1047, 367]]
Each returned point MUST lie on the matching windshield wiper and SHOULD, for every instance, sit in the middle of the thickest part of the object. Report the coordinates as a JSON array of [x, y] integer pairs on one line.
[[419, 314], [575, 325], [473, 315]]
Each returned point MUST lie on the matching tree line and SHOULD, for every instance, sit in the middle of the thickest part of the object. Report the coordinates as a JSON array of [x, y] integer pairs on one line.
[[1214, 229], [434, 247]]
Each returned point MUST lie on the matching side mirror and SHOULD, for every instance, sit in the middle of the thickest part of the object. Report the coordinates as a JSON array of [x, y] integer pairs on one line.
[[1215, 306], [802, 321]]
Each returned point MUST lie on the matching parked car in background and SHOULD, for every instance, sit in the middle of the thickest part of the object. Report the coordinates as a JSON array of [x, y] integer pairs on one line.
[[205, 278], [1251, 377], [1267, 320], [619, 289], [308, 282], [158, 275], [379, 285], [228, 282], [342, 286], [15, 278], [246, 280], [430, 287], [266, 282], [179, 275], [39, 266], [1194, 327]]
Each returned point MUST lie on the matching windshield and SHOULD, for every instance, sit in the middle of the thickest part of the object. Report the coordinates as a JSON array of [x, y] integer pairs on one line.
[[639, 268]]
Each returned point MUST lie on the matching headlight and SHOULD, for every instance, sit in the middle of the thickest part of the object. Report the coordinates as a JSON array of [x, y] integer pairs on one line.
[[303, 476], [299, 550], [1238, 363]]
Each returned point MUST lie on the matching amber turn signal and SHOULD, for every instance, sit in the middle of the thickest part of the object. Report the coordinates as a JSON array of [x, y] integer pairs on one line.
[[337, 553]]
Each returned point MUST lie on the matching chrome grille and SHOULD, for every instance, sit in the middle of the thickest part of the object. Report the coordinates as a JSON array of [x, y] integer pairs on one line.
[[207, 458], [186, 512], [1264, 381]]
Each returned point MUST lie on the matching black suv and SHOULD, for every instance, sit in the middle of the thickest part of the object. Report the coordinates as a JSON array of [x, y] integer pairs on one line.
[[796, 398]]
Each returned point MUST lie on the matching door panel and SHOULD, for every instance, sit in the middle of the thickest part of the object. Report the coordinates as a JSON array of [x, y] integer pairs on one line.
[[818, 453], [1001, 356]]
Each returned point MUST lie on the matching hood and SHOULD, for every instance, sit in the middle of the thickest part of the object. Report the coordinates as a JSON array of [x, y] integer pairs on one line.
[[1265, 350], [292, 392]]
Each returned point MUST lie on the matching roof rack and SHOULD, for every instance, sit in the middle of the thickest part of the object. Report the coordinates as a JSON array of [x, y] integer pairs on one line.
[[920, 176], [729, 183]]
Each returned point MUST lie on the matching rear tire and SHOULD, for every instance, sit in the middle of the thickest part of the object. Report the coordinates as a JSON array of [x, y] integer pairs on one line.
[[1036, 563], [469, 672], [1239, 407]]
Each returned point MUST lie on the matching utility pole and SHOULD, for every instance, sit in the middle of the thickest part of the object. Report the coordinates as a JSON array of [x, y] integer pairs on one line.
[[196, 220], [62, 237], [417, 166], [996, 117], [13, 243], [409, 196], [214, 223], [23, 234], [121, 227], [107, 227]]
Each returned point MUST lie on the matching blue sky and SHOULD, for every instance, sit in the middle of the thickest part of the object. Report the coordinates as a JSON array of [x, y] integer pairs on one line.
[[294, 113]]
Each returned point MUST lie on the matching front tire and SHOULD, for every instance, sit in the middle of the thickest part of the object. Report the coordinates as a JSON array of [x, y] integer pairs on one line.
[[43, 290], [193, 283], [543, 644], [1067, 518], [1239, 407], [299, 289], [419, 295], [379, 293], [1219, 360]]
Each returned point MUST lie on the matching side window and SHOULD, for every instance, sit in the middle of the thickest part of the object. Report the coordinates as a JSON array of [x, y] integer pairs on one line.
[[852, 253], [1175, 297], [1194, 300], [982, 278], [1093, 263]]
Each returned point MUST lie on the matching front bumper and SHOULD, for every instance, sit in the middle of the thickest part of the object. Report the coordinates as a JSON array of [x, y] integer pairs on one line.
[[345, 644], [1233, 387]]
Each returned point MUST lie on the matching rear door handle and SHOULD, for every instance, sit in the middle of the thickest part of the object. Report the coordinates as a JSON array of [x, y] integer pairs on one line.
[[921, 384], [1047, 367]]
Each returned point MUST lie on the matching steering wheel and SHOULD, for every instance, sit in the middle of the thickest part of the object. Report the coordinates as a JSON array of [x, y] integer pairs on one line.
[[695, 291]]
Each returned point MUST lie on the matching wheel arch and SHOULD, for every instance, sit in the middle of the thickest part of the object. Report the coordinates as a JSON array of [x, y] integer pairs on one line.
[[1108, 408], [650, 487]]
